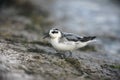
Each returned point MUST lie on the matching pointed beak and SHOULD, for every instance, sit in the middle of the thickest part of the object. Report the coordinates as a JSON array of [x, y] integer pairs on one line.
[[46, 36]]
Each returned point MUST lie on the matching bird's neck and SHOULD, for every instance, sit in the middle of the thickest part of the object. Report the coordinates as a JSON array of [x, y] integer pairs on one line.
[[55, 40]]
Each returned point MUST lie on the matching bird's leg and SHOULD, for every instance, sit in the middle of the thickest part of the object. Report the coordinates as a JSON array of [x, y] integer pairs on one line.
[[70, 54], [64, 55], [60, 54]]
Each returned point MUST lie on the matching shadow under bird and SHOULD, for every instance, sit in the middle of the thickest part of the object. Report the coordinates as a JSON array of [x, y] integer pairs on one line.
[[63, 41]]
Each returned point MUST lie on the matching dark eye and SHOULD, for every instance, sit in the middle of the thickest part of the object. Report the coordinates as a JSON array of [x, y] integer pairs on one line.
[[54, 32]]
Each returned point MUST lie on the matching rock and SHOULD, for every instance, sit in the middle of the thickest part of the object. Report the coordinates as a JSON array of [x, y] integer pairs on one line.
[[24, 55]]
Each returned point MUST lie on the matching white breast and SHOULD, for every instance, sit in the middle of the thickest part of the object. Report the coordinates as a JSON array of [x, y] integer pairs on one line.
[[64, 46]]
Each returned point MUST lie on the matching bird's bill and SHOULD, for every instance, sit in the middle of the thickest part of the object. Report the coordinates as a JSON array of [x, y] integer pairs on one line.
[[46, 36]]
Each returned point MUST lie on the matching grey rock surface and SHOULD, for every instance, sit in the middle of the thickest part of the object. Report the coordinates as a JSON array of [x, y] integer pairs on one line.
[[24, 55]]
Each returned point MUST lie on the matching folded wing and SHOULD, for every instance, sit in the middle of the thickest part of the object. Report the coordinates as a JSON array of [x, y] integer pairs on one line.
[[74, 37]]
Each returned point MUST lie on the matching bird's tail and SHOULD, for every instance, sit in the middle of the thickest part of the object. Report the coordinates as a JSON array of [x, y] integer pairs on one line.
[[89, 38]]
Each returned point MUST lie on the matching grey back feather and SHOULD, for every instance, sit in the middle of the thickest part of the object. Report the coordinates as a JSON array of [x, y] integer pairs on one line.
[[74, 37], [71, 37]]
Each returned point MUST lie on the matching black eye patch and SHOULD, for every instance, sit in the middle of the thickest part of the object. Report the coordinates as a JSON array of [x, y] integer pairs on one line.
[[54, 32]]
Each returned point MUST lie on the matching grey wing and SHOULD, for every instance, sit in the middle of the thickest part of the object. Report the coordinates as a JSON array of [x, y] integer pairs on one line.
[[74, 37]]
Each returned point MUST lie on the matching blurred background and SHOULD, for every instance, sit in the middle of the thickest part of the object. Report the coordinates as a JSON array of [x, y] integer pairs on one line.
[[25, 55]]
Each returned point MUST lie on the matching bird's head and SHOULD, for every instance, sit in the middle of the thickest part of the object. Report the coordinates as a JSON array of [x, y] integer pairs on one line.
[[54, 33]]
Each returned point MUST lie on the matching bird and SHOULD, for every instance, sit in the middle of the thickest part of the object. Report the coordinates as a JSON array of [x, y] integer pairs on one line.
[[63, 41]]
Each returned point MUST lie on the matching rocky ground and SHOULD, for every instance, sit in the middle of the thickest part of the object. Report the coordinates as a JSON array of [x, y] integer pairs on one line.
[[24, 55]]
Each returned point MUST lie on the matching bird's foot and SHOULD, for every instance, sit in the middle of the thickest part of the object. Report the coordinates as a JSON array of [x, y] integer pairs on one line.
[[61, 55], [69, 54], [65, 55]]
